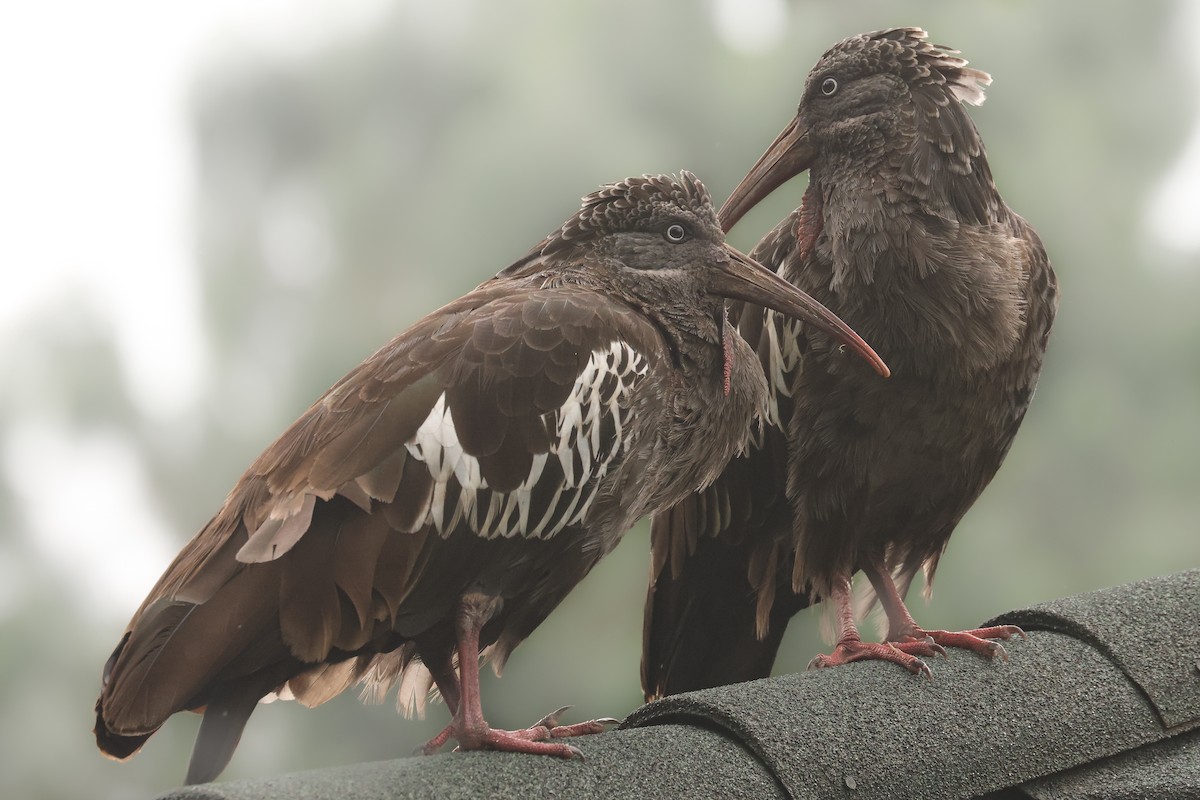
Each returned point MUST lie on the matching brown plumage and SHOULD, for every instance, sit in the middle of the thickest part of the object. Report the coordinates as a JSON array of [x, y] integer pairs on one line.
[[903, 233], [443, 497]]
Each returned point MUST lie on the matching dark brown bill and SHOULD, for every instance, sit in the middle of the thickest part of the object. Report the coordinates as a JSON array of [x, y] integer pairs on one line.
[[788, 156], [742, 278]]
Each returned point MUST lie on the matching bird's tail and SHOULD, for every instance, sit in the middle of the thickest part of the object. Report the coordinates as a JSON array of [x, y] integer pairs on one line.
[[115, 745], [704, 623], [225, 718]]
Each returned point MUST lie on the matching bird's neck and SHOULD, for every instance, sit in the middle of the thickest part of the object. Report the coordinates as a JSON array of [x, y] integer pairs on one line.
[[909, 175], [697, 333], [911, 266], [895, 202]]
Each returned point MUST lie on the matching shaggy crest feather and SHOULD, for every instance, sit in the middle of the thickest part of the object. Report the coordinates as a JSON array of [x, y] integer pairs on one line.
[[920, 63]]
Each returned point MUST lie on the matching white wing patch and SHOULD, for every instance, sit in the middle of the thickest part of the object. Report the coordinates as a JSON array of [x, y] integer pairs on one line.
[[591, 430], [783, 339]]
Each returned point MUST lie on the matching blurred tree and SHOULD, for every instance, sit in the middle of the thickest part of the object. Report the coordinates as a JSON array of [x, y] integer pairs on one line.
[[347, 190]]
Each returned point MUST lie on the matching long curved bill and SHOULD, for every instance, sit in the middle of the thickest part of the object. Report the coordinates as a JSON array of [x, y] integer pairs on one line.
[[742, 278], [788, 156]]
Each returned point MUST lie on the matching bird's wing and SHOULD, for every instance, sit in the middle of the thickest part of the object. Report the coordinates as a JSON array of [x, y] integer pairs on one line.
[[720, 595], [1019, 375], [496, 415]]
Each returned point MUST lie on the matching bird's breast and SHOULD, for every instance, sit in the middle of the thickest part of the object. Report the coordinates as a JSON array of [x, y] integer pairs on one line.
[[715, 427], [926, 292]]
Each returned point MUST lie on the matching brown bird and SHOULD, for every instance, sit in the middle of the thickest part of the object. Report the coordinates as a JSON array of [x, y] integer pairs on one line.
[[440, 500], [902, 231]]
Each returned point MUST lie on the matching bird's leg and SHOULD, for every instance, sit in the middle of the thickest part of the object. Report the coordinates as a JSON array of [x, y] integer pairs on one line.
[[850, 646], [545, 728], [440, 667], [905, 634], [469, 727]]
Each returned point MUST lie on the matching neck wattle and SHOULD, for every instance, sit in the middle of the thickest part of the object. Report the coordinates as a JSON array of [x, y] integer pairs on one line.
[[811, 221], [726, 352]]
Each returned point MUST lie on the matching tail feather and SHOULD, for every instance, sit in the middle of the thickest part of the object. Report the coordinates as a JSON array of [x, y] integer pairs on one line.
[[224, 720], [115, 745], [702, 626], [177, 650]]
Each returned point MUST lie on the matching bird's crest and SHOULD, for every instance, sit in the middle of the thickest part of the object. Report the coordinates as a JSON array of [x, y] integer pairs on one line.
[[905, 52], [633, 201], [645, 198]]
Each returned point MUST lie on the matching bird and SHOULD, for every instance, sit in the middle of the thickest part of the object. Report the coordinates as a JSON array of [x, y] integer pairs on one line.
[[437, 503], [902, 232]]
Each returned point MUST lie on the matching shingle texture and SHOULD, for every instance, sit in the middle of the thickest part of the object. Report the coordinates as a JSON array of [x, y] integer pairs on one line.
[[652, 762], [1148, 629], [1101, 701], [1169, 770]]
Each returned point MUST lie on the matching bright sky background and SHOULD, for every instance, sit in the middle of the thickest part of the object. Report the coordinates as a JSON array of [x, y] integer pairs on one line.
[[96, 133], [95, 122], [1174, 213], [95, 129]]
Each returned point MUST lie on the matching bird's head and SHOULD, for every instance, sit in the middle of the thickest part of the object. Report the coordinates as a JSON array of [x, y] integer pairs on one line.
[[655, 242], [886, 94]]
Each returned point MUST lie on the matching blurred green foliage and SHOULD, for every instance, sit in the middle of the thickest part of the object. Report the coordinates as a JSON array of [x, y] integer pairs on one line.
[[346, 192]]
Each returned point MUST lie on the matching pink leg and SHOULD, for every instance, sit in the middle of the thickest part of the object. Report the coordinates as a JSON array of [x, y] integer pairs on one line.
[[447, 682], [851, 647], [468, 726], [904, 633]]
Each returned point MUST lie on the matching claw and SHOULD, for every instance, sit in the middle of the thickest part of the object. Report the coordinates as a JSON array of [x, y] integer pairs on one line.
[[551, 719], [920, 647], [913, 664], [919, 667]]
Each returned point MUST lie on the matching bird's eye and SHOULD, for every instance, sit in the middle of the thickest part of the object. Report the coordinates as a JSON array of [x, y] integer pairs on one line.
[[676, 233], [829, 86]]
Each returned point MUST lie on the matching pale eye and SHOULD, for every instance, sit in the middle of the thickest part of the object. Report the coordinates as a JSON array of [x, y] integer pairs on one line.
[[676, 233], [829, 86]]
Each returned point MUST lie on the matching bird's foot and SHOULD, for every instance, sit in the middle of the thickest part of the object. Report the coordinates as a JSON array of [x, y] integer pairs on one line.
[[528, 740], [977, 640], [903, 653], [525, 740], [556, 731]]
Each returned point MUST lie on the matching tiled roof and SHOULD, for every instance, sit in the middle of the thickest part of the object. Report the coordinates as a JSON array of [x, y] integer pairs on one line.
[[1101, 701]]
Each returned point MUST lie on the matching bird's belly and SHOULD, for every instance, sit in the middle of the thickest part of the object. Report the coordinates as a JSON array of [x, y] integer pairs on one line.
[[887, 471]]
